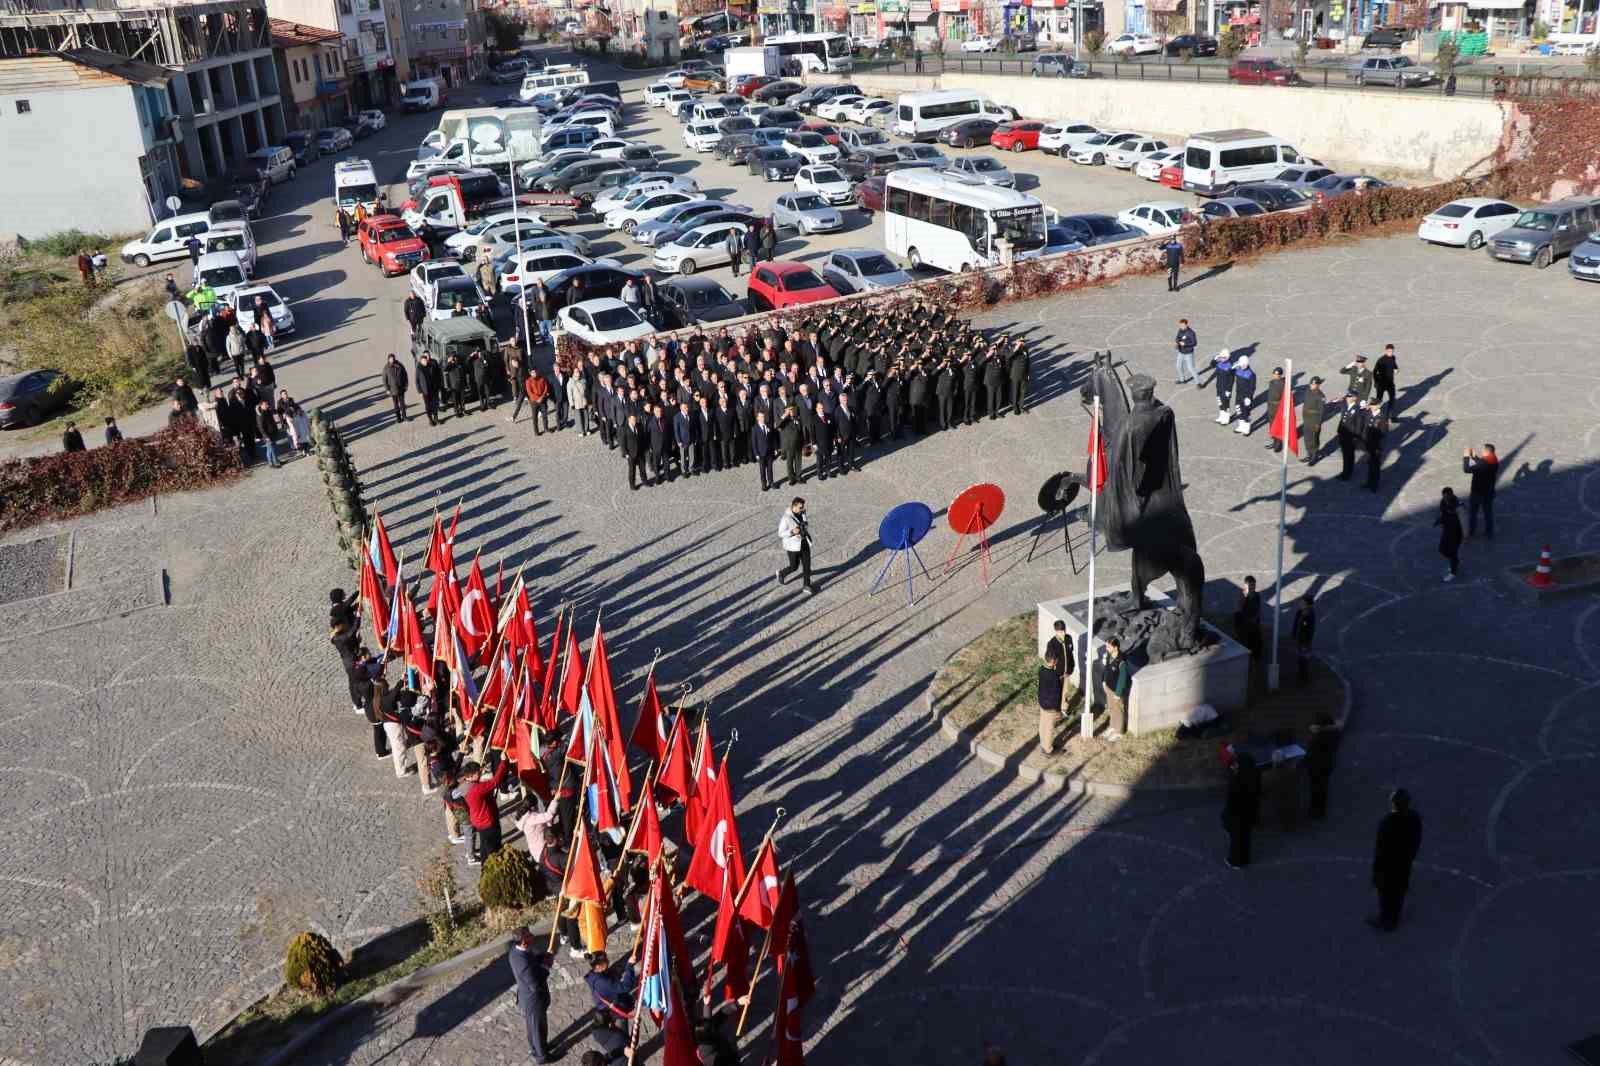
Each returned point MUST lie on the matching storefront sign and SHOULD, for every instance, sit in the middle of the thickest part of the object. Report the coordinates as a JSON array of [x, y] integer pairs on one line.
[[950, 5], [772, 7], [865, 9], [893, 7]]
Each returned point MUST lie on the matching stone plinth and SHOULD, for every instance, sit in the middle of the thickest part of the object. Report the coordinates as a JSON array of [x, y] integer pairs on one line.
[[1161, 693]]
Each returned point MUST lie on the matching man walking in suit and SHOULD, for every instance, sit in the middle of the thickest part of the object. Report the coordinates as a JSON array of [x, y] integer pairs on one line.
[[763, 448], [1399, 840], [394, 383], [531, 969], [795, 534]]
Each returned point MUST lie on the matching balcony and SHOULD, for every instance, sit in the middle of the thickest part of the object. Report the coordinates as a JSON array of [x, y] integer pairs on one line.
[[329, 88]]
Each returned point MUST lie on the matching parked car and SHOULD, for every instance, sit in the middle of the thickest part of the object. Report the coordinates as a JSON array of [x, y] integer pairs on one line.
[[805, 212], [1133, 44], [685, 301], [244, 306], [1300, 177], [921, 153], [680, 217], [811, 147], [826, 131], [1196, 44], [1230, 207], [968, 134], [868, 109], [606, 320], [656, 93], [646, 206], [780, 118], [390, 244], [1150, 167], [372, 120], [1017, 136], [304, 147], [837, 108], [1334, 186], [1543, 234], [1056, 65], [753, 84], [1157, 219], [868, 163], [522, 268], [773, 162], [426, 273], [333, 139], [1059, 138], [1024, 42], [980, 43], [1262, 72], [826, 181], [855, 138], [1129, 153], [869, 195], [981, 170], [1093, 151], [1092, 229], [1468, 222], [777, 284], [1385, 37], [26, 399], [1271, 195], [1584, 263], [703, 137], [697, 248], [777, 92], [861, 270], [1400, 71]]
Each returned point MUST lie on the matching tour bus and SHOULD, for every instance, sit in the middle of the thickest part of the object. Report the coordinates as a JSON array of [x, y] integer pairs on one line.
[[922, 115], [554, 76], [815, 52], [1213, 163], [355, 182], [933, 220]]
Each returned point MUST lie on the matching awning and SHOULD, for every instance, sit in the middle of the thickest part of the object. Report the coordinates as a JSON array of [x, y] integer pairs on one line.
[[1482, 5]]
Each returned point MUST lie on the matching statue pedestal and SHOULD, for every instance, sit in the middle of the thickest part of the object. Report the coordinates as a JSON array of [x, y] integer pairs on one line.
[[1161, 693]]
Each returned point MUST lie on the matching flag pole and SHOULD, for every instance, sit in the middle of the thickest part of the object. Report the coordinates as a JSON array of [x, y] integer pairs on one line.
[[1086, 718], [766, 942], [1283, 415], [579, 826]]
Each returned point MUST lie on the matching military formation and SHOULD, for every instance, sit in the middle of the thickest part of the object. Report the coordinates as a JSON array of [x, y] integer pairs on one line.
[[814, 391]]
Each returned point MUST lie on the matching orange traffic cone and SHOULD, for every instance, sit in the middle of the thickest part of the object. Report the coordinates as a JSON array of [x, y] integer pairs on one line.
[[1540, 578]]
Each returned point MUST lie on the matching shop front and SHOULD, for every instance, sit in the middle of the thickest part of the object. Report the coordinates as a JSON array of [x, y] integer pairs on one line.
[[1502, 20], [959, 20], [786, 16], [864, 22], [1057, 22]]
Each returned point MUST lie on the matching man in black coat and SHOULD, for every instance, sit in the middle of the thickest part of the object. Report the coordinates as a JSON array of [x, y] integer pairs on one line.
[[1274, 395], [824, 430], [635, 445], [727, 420], [944, 390], [789, 445], [1377, 427], [745, 412], [199, 366], [1399, 840], [1352, 430], [455, 372], [416, 313], [1017, 366], [430, 386], [530, 967], [706, 440], [844, 421], [480, 378], [1172, 256], [993, 376], [892, 387], [763, 447], [970, 372], [1483, 468], [917, 399], [659, 429], [395, 381], [1312, 409], [685, 436]]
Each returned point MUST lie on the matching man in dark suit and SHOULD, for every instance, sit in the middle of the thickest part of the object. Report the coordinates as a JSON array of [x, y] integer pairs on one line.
[[659, 430], [823, 431], [706, 427], [686, 436], [531, 969], [944, 389], [789, 444], [1017, 364], [1399, 840], [635, 445], [763, 447], [727, 420], [745, 412], [844, 421]]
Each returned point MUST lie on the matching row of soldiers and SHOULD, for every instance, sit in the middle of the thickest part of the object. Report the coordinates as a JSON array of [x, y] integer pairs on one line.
[[821, 385]]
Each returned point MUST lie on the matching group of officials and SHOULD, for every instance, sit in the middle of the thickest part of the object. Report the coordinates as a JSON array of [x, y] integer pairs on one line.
[[822, 386]]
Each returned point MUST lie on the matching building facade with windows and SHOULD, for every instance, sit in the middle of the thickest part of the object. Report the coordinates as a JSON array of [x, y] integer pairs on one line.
[[367, 61], [311, 73], [445, 39]]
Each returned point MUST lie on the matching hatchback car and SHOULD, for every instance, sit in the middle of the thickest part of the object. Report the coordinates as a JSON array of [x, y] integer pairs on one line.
[[31, 397], [333, 138], [644, 207], [1541, 235], [775, 285], [1196, 44], [1060, 138], [698, 248], [805, 212], [1056, 65], [921, 153], [869, 109], [826, 181], [1262, 72], [861, 270], [525, 267], [1017, 136], [1584, 264], [1468, 222], [1229, 207], [1271, 195], [1133, 44], [980, 43], [773, 162], [969, 133], [869, 195], [780, 118], [685, 301], [981, 170], [674, 220], [1150, 167], [1157, 219]]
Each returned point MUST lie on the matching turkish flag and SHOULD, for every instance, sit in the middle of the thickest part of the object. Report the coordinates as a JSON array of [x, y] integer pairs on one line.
[[583, 871], [442, 561], [717, 846], [729, 946], [603, 787], [788, 1043], [761, 896], [645, 834], [650, 730], [475, 619], [523, 632], [701, 786], [790, 952], [385, 552], [677, 771], [603, 697], [1097, 457], [547, 685], [572, 683], [377, 604], [416, 651], [1283, 423]]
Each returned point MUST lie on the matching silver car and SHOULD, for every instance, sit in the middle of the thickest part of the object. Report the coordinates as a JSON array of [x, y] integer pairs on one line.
[[697, 249], [981, 170], [673, 219], [862, 269], [1401, 71], [804, 212]]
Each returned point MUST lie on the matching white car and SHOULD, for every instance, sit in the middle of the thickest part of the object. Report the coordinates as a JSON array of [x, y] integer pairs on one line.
[[1133, 44], [656, 181], [1125, 155], [443, 293], [603, 321], [870, 108], [424, 274], [1059, 138], [644, 207], [1467, 222], [656, 93], [980, 43], [537, 265], [503, 239], [373, 119], [698, 248], [682, 107], [838, 109], [826, 182], [1157, 218], [810, 146], [674, 78], [601, 121], [702, 137], [610, 147], [244, 305], [1149, 168], [1094, 151]]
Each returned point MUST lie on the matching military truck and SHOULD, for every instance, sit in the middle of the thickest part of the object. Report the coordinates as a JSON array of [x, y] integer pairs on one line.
[[460, 336]]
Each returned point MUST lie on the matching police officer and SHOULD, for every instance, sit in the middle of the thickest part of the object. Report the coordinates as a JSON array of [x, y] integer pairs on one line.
[[789, 444], [1352, 428], [1018, 367], [993, 376], [1359, 376]]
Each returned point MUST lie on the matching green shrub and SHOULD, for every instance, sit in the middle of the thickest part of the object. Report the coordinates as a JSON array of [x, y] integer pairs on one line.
[[313, 965], [1094, 42], [510, 880], [1231, 43], [69, 242]]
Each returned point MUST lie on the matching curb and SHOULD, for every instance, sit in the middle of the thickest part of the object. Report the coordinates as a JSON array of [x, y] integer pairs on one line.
[[1072, 784], [396, 992]]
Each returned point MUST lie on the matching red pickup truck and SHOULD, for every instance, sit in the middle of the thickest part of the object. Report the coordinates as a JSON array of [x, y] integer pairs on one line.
[[391, 244]]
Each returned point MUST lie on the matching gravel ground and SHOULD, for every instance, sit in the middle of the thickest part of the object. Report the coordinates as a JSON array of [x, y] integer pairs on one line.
[[33, 568]]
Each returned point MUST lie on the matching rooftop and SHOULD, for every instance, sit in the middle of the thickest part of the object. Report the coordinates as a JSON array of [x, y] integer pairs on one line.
[[77, 68], [286, 34]]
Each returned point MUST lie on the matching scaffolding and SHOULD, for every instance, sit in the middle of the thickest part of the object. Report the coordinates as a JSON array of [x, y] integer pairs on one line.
[[171, 35]]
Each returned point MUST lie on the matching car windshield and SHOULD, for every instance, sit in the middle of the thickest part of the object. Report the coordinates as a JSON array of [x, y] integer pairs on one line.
[[922, 151], [1403, 61], [615, 318], [1022, 226], [801, 280], [984, 163], [227, 242], [1536, 220], [267, 297], [866, 137], [873, 265], [806, 140], [808, 202], [219, 277], [357, 194], [396, 233], [466, 292], [1453, 211], [1330, 182], [826, 175], [710, 296], [739, 124]]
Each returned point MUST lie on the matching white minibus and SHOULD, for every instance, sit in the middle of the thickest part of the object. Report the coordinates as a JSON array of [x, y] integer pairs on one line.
[[1213, 163], [933, 220], [555, 76], [921, 116]]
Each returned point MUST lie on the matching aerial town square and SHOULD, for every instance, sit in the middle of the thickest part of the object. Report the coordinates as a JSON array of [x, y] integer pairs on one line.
[[959, 534]]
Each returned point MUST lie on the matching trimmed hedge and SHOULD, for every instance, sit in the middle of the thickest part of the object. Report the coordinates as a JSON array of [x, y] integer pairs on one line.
[[68, 484]]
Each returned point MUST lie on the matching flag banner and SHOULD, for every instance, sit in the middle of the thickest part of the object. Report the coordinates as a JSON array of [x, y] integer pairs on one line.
[[1097, 458], [608, 724], [383, 559], [474, 619], [676, 779], [416, 649], [717, 847], [376, 603], [702, 784], [650, 730], [761, 897], [729, 948], [645, 834], [1283, 421], [790, 952], [583, 881], [391, 632], [572, 684], [547, 687]]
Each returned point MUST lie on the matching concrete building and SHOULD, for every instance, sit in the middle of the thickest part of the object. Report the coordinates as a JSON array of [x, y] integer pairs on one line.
[[89, 142], [224, 88], [367, 60], [311, 73], [653, 27], [445, 40]]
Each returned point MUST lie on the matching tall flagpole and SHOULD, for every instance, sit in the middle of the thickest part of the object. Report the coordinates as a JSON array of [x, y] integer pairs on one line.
[[522, 293], [1086, 719], [1281, 419]]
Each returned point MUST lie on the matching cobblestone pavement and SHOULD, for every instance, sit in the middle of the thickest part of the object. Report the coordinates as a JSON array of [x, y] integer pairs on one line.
[[182, 787]]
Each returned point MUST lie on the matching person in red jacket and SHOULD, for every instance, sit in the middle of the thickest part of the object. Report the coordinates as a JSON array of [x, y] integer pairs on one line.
[[483, 810]]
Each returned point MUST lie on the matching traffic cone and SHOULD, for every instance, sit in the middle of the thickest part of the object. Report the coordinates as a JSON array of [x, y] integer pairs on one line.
[[1540, 578]]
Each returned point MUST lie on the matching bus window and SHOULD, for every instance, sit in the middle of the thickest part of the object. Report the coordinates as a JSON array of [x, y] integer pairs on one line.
[[969, 220], [899, 202], [939, 213], [918, 211]]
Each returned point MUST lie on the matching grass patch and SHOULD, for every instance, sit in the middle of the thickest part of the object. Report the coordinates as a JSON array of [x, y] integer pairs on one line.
[[69, 242], [270, 1023], [990, 690]]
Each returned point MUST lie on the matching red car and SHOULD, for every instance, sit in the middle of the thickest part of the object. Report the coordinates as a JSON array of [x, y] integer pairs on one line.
[[1262, 72], [869, 195], [387, 241], [1172, 176], [827, 131], [750, 85], [1017, 136], [777, 284]]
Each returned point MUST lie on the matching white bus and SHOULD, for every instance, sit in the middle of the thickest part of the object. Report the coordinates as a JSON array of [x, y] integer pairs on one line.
[[815, 52], [934, 220], [922, 115], [555, 76]]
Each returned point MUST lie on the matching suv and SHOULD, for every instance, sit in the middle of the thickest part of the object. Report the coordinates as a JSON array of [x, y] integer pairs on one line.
[[1543, 234], [1262, 72], [1399, 71], [391, 244], [1385, 37]]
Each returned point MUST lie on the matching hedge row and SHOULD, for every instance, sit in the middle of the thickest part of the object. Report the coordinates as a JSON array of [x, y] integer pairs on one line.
[[68, 484]]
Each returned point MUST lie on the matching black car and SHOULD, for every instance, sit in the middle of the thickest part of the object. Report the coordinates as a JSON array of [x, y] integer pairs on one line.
[[1196, 44], [685, 301], [1271, 195], [579, 174], [733, 147], [1097, 229], [780, 118], [736, 124], [604, 278], [968, 134], [773, 163], [358, 129], [31, 397], [1385, 37], [867, 163], [778, 92], [304, 146], [818, 94]]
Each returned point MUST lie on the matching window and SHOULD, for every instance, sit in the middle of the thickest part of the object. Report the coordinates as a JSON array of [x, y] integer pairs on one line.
[[1197, 157], [920, 203], [898, 202], [24, 107], [939, 213], [344, 7], [1248, 157], [380, 39]]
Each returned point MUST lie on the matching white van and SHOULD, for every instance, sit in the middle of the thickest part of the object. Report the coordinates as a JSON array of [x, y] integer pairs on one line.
[[233, 237], [555, 76], [921, 116], [223, 272], [424, 94], [1213, 163], [355, 182], [712, 113], [165, 241], [276, 163]]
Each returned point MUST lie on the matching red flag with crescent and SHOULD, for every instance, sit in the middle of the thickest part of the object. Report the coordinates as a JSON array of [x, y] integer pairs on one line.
[[475, 620], [761, 897], [1283, 421], [676, 778], [717, 847], [729, 946], [702, 784], [572, 684]]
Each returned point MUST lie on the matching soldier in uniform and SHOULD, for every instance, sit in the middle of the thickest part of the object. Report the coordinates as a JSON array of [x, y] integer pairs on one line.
[[1311, 410]]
